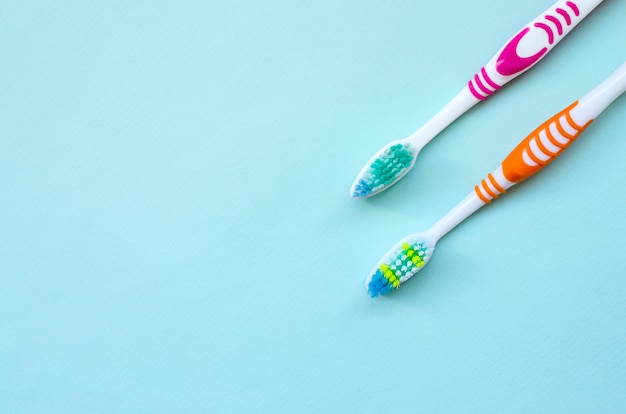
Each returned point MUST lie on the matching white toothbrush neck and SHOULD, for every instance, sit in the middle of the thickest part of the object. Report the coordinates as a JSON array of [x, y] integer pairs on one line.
[[596, 101], [454, 217], [462, 102]]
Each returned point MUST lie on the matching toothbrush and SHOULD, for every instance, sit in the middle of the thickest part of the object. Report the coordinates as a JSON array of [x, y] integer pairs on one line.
[[536, 151], [518, 55]]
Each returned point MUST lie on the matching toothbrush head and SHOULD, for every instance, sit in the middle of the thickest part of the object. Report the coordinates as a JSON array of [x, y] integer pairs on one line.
[[399, 264], [384, 169]]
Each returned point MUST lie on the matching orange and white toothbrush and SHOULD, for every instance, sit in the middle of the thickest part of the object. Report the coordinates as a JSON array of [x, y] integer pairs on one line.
[[535, 152]]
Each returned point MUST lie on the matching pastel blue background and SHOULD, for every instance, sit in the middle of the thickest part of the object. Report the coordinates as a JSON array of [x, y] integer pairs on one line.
[[176, 234]]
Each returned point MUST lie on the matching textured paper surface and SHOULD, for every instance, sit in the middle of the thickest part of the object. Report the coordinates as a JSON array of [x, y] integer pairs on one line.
[[176, 233]]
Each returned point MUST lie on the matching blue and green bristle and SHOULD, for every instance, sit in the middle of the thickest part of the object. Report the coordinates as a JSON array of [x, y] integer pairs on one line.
[[394, 161], [399, 266]]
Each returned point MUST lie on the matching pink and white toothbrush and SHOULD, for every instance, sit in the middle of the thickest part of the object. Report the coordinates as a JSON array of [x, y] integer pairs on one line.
[[518, 55]]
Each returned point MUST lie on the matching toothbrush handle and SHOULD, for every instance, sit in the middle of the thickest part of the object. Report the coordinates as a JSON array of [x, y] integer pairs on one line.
[[529, 45], [518, 55], [556, 134], [542, 146], [536, 151], [549, 140]]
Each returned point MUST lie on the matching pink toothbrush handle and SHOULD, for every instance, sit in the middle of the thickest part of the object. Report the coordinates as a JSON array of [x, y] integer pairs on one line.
[[529, 45]]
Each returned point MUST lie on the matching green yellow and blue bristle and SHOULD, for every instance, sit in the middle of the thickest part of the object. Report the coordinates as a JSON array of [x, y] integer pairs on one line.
[[393, 162], [399, 265]]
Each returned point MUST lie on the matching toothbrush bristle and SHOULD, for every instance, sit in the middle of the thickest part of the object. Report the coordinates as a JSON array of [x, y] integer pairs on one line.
[[390, 164], [402, 262]]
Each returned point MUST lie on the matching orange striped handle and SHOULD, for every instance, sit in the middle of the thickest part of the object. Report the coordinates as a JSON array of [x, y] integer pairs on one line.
[[542, 146], [489, 189], [536, 151]]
